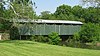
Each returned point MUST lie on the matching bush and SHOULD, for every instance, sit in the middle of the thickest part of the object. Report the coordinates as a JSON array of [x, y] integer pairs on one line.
[[54, 38], [51, 39], [90, 32], [39, 39]]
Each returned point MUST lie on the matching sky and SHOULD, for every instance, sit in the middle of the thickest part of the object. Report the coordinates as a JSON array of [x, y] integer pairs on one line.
[[51, 5]]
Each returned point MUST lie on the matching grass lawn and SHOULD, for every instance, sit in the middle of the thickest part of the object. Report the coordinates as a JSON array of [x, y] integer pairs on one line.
[[29, 48]]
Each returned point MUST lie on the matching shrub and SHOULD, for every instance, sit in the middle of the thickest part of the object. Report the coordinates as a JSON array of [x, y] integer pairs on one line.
[[14, 34], [76, 37], [39, 38], [54, 38], [90, 32]]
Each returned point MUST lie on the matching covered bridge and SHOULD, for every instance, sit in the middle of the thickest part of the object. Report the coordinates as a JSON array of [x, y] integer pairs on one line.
[[45, 27]]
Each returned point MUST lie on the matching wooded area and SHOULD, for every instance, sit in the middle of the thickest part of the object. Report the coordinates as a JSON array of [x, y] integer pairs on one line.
[[25, 9]]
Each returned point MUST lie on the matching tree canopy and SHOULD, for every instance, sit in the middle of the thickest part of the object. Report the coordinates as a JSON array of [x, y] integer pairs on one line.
[[19, 8], [94, 3]]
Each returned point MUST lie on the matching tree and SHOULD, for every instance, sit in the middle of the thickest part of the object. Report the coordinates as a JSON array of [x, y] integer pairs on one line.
[[77, 11], [24, 9], [91, 14], [1, 10], [45, 15], [89, 33], [4, 24], [19, 9], [63, 11], [94, 3]]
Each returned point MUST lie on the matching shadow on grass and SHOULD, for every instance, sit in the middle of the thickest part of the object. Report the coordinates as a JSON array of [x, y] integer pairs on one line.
[[82, 46], [18, 41]]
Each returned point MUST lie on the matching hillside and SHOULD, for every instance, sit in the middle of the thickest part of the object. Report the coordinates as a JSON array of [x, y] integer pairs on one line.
[[29, 48]]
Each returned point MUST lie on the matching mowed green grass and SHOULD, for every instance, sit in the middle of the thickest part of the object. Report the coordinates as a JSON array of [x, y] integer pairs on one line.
[[30, 48]]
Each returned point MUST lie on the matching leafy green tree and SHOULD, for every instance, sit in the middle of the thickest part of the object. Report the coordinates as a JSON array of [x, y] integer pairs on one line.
[[63, 11], [1, 10], [45, 15], [19, 9], [24, 9], [53, 17], [91, 15], [90, 33], [77, 11], [4, 24]]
